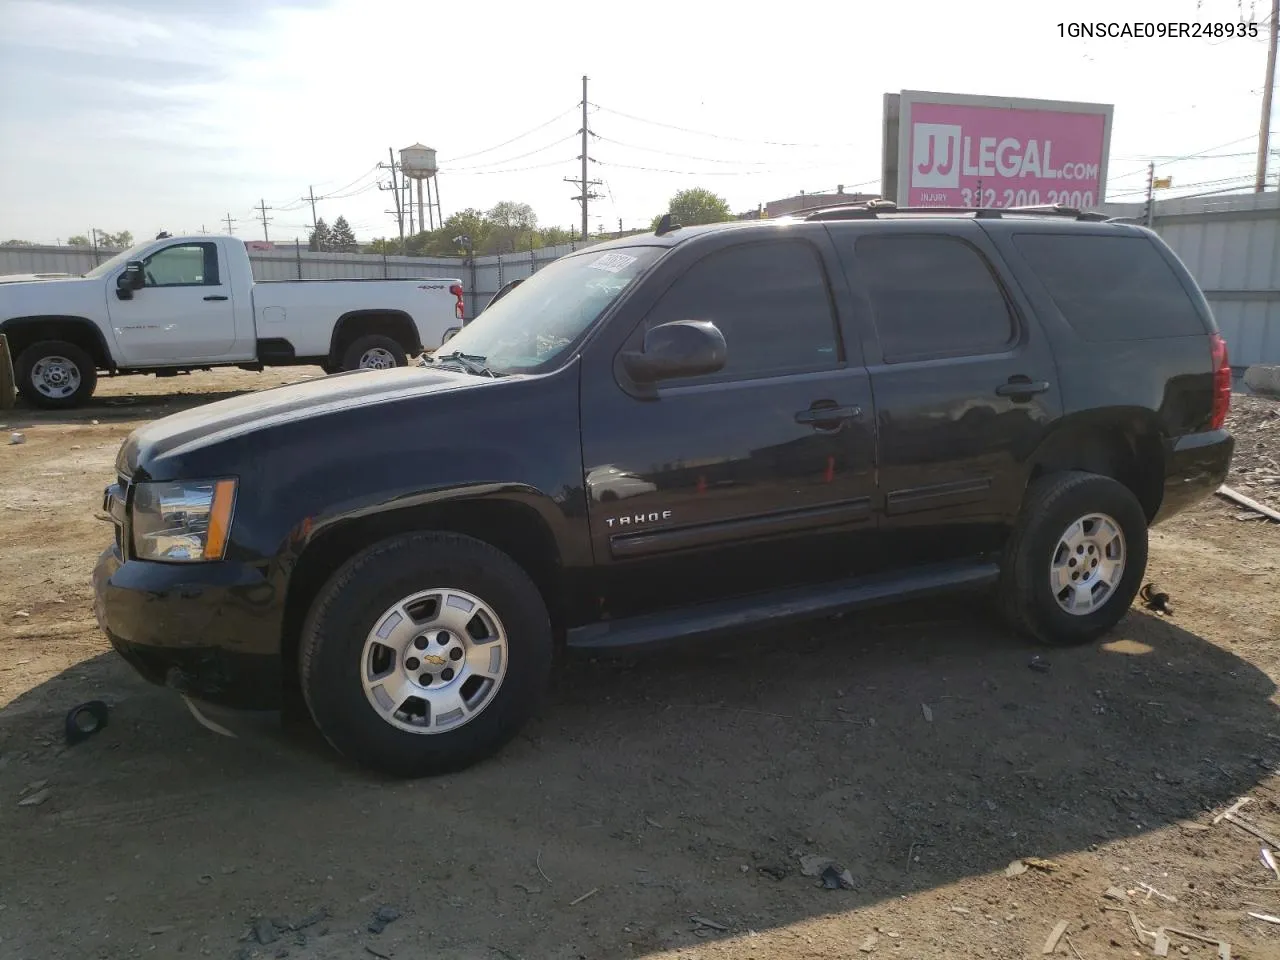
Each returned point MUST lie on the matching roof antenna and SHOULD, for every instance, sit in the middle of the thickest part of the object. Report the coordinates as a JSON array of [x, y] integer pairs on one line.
[[666, 225]]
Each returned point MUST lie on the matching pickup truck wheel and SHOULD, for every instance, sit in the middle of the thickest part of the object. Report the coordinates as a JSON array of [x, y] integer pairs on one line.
[[1075, 559], [425, 653], [374, 352], [55, 374]]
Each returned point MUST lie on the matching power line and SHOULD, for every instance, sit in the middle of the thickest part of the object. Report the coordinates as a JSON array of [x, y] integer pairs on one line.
[[719, 136], [337, 190], [668, 153], [1167, 157], [1190, 156], [519, 156], [229, 222], [1187, 186], [535, 166], [541, 126], [354, 193], [720, 173]]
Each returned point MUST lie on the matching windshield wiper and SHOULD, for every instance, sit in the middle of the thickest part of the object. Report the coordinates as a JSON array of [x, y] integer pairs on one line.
[[469, 362]]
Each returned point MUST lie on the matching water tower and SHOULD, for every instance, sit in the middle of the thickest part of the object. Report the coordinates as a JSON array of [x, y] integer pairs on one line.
[[419, 163]]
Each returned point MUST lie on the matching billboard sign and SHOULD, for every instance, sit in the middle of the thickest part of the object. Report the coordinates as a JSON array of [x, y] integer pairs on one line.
[[956, 150]]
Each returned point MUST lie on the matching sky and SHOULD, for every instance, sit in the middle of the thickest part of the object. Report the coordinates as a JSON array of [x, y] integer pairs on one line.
[[152, 115]]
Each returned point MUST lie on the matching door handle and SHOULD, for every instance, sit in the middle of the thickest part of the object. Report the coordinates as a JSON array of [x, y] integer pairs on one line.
[[215, 296], [826, 416], [1021, 388]]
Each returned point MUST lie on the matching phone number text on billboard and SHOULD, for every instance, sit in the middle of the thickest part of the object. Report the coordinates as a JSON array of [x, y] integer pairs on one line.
[[1079, 199]]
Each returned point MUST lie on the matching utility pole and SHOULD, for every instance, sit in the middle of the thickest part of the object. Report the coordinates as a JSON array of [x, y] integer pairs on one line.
[[1264, 127], [584, 156], [395, 193], [1149, 217], [311, 196], [406, 200], [227, 219], [263, 208], [584, 184]]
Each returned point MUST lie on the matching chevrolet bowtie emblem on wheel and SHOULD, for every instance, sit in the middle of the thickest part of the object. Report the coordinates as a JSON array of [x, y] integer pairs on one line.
[[435, 661]]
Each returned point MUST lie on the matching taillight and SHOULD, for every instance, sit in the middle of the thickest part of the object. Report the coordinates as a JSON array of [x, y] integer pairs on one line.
[[460, 307], [1221, 382]]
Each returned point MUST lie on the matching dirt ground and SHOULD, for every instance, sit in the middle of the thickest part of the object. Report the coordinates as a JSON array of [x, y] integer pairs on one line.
[[660, 806]]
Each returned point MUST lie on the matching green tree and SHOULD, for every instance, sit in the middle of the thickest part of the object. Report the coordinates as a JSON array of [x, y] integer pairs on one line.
[[17, 243], [465, 223], [79, 240], [391, 247], [696, 205], [511, 226], [341, 238], [319, 239], [554, 236], [122, 239]]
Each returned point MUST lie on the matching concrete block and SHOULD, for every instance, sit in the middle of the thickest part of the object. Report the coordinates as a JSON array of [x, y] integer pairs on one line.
[[1263, 379]]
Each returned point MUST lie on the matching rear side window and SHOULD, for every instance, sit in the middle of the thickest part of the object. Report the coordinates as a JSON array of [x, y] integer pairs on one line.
[[771, 302], [1111, 288], [932, 296]]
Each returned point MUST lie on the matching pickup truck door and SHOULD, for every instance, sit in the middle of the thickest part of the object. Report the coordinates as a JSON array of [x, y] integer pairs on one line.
[[964, 379], [751, 478], [184, 313]]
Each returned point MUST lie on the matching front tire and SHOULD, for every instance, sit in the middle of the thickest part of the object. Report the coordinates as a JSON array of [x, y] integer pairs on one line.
[[374, 352], [1075, 560], [425, 654], [56, 375]]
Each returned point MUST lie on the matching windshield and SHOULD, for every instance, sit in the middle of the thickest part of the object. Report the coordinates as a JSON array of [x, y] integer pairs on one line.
[[116, 261], [531, 327]]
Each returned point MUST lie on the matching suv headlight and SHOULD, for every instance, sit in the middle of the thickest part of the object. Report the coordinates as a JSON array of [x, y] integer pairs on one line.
[[185, 521]]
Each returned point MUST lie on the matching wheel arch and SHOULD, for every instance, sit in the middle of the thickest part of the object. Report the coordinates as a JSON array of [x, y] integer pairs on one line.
[[515, 524], [396, 324], [22, 332], [1125, 444]]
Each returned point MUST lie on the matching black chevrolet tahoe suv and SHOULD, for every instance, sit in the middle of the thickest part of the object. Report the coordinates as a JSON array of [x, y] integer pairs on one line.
[[696, 431]]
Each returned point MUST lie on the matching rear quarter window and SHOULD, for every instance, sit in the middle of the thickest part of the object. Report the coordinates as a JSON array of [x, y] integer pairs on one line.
[[1111, 288]]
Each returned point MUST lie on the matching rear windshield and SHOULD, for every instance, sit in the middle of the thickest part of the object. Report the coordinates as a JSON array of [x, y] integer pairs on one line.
[[1112, 288]]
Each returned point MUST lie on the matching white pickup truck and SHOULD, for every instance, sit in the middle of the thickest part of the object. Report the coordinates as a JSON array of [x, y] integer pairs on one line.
[[190, 303]]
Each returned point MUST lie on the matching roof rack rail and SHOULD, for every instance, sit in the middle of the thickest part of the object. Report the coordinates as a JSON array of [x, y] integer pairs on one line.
[[870, 211]]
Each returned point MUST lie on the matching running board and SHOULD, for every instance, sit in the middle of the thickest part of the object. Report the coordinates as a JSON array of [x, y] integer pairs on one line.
[[780, 607]]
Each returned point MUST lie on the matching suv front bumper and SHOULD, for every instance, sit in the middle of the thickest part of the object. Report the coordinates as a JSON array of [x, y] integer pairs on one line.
[[209, 631]]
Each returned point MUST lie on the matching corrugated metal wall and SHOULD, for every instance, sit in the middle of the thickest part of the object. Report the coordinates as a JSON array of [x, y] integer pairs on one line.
[[1232, 248]]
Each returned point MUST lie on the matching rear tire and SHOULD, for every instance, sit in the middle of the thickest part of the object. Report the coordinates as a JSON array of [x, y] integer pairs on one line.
[[374, 352], [55, 375], [1075, 559], [367, 676]]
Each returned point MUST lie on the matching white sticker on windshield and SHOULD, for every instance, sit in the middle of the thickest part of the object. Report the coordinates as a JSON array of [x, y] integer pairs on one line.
[[612, 262]]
